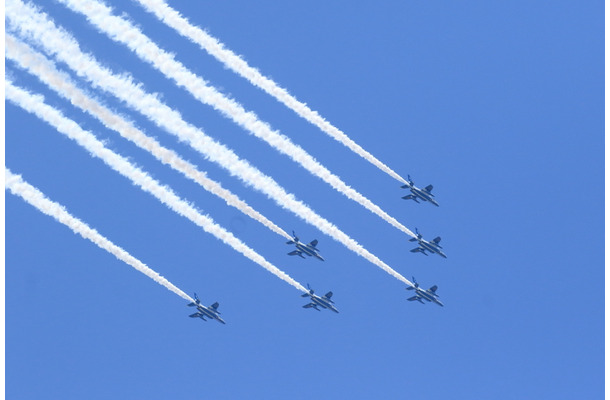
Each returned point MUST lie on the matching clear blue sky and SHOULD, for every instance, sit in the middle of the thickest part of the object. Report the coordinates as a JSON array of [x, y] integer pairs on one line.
[[499, 105]]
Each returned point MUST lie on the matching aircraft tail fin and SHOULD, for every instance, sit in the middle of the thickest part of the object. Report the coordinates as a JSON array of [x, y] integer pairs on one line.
[[197, 301]]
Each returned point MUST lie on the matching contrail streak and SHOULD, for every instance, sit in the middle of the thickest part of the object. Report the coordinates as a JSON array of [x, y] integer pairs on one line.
[[44, 69], [122, 31], [215, 48], [34, 197], [35, 105], [64, 47]]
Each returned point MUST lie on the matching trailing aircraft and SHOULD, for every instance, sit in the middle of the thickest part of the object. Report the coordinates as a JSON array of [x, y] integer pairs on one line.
[[203, 311], [428, 295], [304, 248], [419, 194], [424, 245], [317, 301]]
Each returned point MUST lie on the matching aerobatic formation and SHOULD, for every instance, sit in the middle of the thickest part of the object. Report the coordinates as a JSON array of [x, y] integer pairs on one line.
[[28, 27]]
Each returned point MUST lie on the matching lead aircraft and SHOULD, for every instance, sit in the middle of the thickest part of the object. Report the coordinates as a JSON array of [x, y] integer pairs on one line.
[[203, 311]]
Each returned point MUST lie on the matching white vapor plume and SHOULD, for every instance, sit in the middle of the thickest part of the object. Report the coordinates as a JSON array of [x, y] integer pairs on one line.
[[34, 197], [215, 48], [44, 69], [63, 46], [122, 31], [35, 105]]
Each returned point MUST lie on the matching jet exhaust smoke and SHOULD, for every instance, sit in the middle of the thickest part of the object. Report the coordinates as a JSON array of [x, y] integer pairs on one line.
[[34, 197], [122, 31], [216, 49], [60, 82], [37, 27], [35, 105]]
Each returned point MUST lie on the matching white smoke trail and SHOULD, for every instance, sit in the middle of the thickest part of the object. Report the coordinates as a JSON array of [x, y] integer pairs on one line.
[[121, 30], [52, 116], [215, 48], [44, 69], [64, 47], [34, 197]]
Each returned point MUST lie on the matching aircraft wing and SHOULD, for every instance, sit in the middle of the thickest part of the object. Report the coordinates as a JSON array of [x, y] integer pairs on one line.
[[419, 250], [428, 188], [314, 242], [328, 295], [433, 289], [311, 305], [294, 253], [197, 315], [215, 306], [414, 298], [437, 240]]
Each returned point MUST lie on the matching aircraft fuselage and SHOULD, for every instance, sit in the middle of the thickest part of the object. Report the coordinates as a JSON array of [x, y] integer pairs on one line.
[[417, 193], [428, 296], [423, 195], [323, 303], [432, 247], [307, 249]]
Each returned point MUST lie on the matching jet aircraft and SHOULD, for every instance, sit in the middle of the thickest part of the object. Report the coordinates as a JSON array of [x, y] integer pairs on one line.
[[203, 311], [419, 194], [317, 301], [428, 295], [304, 248], [424, 245]]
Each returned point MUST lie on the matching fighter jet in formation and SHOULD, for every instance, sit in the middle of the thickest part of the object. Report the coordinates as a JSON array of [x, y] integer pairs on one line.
[[419, 194], [203, 311], [304, 248], [317, 301], [424, 245], [428, 295]]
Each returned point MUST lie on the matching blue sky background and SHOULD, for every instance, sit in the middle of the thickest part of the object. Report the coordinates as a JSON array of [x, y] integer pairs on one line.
[[498, 104]]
